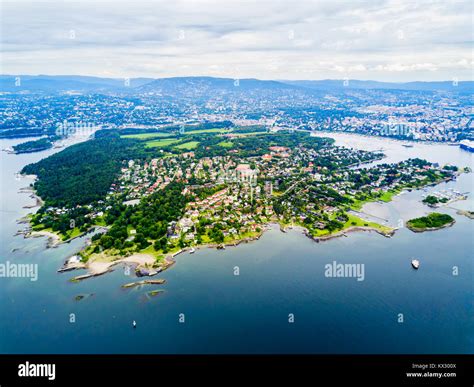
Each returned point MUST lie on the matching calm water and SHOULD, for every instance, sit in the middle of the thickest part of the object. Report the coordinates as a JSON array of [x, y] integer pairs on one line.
[[279, 275]]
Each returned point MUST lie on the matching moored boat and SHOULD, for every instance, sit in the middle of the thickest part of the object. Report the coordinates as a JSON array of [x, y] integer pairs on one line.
[[415, 263]]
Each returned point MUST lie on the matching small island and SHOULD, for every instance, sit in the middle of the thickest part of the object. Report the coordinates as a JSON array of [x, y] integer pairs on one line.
[[33, 146], [433, 200], [433, 221]]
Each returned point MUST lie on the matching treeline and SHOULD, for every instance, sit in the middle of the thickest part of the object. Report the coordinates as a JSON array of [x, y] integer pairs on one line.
[[432, 200], [64, 223], [175, 128], [204, 192], [257, 145], [25, 132], [150, 219], [83, 173]]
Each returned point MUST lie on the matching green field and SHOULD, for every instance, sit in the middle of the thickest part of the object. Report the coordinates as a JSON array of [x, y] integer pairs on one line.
[[388, 195], [353, 221], [160, 143], [188, 145], [384, 197], [146, 136], [359, 222], [72, 234], [226, 144]]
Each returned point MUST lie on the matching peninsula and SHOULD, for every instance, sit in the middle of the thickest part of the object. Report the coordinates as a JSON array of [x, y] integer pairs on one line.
[[158, 193]]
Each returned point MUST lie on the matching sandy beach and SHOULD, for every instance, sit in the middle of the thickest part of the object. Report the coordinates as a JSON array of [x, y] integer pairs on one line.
[[53, 239], [96, 267]]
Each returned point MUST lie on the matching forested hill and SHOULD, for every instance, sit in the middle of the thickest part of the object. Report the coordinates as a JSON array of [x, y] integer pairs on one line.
[[83, 173]]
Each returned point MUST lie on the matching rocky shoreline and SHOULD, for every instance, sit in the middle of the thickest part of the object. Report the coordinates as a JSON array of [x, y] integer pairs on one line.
[[341, 233], [144, 282], [98, 268], [468, 214]]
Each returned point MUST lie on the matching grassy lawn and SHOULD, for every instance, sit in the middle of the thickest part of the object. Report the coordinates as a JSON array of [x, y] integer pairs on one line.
[[357, 205], [160, 143], [188, 145], [353, 221], [226, 144], [318, 232], [99, 221], [387, 196], [205, 239], [361, 223], [71, 234], [146, 136], [151, 250]]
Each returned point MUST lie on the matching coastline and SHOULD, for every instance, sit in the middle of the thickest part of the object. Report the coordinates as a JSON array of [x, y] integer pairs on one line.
[[54, 240], [33, 195], [400, 140], [142, 260], [342, 233], [96, 268]]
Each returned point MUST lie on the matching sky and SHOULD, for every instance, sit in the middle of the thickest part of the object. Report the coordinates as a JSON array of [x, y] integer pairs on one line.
[[384, 40]]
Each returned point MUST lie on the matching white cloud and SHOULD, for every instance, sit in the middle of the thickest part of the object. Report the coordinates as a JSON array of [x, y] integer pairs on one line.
[[378, 39]]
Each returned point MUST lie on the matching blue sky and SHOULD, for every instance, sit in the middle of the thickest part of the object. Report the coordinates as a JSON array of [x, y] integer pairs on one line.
[[378, 39]]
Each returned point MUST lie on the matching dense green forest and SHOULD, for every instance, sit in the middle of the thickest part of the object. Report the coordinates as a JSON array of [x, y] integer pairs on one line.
[[33, 146], [433, 220], [175, 128], [255, 145], [150, 219], [432, 200], [83, 173]]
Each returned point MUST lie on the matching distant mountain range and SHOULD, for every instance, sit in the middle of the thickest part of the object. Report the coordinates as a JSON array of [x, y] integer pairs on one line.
[[55, 83], [331, 84], [205, 85]]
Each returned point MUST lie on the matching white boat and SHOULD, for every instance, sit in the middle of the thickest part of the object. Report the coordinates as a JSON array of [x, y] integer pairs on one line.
[[134, 323], [192, 250], [415, 263]]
